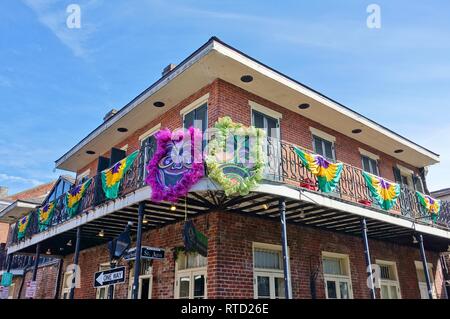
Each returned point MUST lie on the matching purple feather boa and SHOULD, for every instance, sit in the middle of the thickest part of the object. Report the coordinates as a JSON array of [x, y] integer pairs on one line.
[[182, 187]]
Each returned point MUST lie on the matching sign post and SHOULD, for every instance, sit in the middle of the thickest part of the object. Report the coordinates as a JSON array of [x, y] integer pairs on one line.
[[109, 277]]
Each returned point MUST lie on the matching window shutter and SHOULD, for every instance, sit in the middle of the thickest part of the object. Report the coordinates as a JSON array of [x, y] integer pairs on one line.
[[397, 175], [417, 183]]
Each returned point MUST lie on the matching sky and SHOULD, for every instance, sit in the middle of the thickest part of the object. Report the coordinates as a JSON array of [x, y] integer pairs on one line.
[[57, 83]]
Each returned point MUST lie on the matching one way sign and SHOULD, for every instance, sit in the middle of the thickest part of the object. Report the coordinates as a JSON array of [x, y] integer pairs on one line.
[[109, 277]]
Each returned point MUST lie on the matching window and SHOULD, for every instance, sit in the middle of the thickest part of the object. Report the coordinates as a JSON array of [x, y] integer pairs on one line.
[[102, 292], [269, 124], [422, 281], [83, 177], [389, 285], [197, 118], [190, 276], [268, 275], [145, 280], [324, 148], [370, 165], [65, 289], [336, 273]]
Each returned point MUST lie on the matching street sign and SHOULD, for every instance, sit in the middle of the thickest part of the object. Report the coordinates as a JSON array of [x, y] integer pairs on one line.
[[30, 292], [146, 253], [109, 277], [4, 292], [7, 279]]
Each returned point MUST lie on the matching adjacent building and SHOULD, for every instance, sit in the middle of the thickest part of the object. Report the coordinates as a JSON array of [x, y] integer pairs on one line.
[[286, 237]]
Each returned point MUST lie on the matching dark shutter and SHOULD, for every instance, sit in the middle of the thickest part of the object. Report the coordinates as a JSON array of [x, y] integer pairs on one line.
[[189, 119], [397, 175], [116, 155], [424, 180], [201, 115]]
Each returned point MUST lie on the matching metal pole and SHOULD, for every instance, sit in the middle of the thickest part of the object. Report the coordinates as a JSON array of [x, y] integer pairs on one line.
[[425, 267], [36, 262], [75, 261], [367, 256], [111, 287], [287, 276], [137, 262]]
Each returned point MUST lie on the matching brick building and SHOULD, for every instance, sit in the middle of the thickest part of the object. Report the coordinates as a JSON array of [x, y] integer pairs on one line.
[[322, 251]]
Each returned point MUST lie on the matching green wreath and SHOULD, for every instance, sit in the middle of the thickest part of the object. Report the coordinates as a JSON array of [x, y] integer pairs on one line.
[[234, 171]]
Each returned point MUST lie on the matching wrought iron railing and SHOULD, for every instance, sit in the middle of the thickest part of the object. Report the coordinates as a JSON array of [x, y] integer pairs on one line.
[[283, 166]]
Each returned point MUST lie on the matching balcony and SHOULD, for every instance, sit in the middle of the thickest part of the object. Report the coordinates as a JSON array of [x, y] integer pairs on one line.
[[283, 167]]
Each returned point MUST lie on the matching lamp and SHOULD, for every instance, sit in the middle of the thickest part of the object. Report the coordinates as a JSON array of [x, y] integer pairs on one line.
[[48, 252], [69, 243], [302, 215], [101, 233], [415, 241], [173, 208]]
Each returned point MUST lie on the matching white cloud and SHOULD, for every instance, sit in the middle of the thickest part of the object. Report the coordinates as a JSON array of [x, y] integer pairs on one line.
[[52, 14], [5, 178]]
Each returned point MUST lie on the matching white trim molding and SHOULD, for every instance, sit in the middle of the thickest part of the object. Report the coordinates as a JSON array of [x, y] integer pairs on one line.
[[150, 132], [368, 154], [265, 110], [405, 170], [192, 106], [322, 134]]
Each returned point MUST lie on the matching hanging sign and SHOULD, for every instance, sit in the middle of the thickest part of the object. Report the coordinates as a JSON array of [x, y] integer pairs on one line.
[[109, 277], [194, 240], [146, 253], [7, 279], [30, 292]]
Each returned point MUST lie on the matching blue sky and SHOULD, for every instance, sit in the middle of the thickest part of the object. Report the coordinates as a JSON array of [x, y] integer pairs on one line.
[[57, 83]]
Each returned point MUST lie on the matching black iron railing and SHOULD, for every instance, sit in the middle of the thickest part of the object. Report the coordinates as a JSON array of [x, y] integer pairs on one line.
[[283, 166]]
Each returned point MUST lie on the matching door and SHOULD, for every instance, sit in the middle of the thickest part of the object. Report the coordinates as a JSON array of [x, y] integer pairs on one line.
[[145, 287]]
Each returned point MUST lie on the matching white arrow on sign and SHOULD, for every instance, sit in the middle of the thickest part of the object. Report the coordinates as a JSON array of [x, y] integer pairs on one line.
[[99, 279]]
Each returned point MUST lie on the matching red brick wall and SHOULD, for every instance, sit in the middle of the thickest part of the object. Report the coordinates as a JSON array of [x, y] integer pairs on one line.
[[230, 258], [228, 100], [35, 192], [234, 102], [46, 282]]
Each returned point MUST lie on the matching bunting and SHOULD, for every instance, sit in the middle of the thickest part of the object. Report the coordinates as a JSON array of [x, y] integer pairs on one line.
[[384, 192], [45, 214], [74, 196], [112, 177], [22, 226], [431, 205], [328, 174]]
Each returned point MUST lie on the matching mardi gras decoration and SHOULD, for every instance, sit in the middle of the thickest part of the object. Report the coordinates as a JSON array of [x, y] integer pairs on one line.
[[22, 226], [384, 192], [236, 158], [328, 174], [74, 196], [112, 177], [45, 214], [429, 204], [176, 165]]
